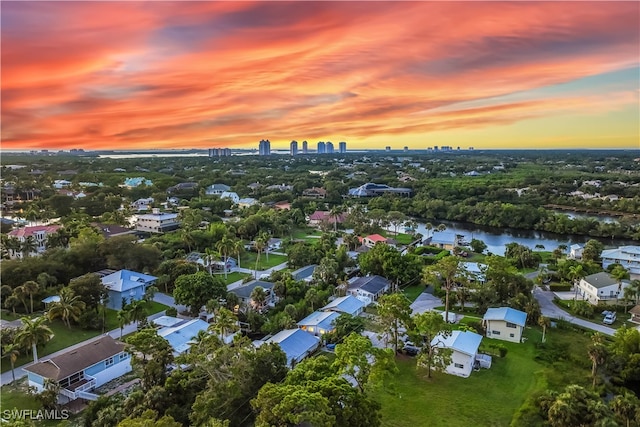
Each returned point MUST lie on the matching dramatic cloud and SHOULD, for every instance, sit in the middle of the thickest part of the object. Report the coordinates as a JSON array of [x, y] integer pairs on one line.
[[124, 75]]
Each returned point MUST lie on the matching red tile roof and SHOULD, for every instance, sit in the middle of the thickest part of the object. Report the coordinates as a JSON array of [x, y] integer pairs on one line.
[[29, 231], [376, 238]]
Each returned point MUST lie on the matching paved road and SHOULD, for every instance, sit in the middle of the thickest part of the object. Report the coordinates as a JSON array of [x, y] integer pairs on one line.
[[549, 309], [6, 377], [255, 273]]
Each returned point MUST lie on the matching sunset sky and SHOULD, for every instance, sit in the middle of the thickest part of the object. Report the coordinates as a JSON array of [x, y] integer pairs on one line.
[[158, 75]]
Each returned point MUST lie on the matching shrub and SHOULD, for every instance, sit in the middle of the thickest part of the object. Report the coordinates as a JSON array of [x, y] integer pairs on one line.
[[90, 320], [171, 311], [582, 308]]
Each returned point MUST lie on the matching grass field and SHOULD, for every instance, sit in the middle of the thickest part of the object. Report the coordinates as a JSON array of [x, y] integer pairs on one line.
[[16, 396], [489, 397], [402, 238], [65, 337], [412, 292], [248, 260], [235, 276]]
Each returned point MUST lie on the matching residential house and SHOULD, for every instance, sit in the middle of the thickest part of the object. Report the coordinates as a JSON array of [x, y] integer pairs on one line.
[[180, 335], [254, 186], [371, 240], [280, 187], [127, 286], [244, 292], [80, 370], [304, 273], [315, 193], [347, 304], [440, 242], [635, 314], [626, 256], [247, 202], [39, 234], [111, 230], [70, 193], [504, 323], [137, 182], [319, 217], [464, 346], [157, 222], [183, 187], [142, 204], [296, 344], [319, 322], [475, 271], [575, 251], [230, 195], [216, 189], [274, 244], [282, 206], [368, 289], [61, 183], [601, 288], [216, 264], [371, 190]]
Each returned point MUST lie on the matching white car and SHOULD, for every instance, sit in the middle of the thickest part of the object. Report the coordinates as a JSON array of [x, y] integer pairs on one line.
[[609, 318]]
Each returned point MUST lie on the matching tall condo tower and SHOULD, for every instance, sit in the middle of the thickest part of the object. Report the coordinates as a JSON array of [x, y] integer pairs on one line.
[[305, 148], [264, 148], [293, 148], [322, 148], [330, 147], [342, 147]]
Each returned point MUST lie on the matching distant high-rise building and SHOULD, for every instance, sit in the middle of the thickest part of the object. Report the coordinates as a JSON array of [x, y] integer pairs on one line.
[[264, 148], [219, 152], [342, 147], [435, 148], [322, 148], [387, 148], [293, 148], [329, 147], [305, 147], [406, 148]]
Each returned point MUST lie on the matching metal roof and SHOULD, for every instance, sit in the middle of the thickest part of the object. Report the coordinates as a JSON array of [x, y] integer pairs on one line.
[[349, 304], [180, 336], [462, 341], [507, 314], [295, 343]]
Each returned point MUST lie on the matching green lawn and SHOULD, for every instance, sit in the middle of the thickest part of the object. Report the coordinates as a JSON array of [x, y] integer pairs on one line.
[[248, 260], [235, 276], [65, 337], [16, 396], [412, 292], [489, 397], [402, 238]]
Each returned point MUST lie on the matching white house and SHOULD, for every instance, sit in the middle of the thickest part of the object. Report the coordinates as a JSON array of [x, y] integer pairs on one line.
[[347, 304], [319, 322], [504, 323], [626, 256], [296, 344], [575, 251], [601, 288], [475, 271], [368, 289], [464, 346], [39, 234], [61, 183], [247, 202], [157, 222], [230, 195], [80, 370], [142, 204]]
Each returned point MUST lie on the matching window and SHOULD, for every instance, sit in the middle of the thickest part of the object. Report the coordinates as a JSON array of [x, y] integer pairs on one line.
[[512, 335], [124, 356], [511, 325], [108, 362], [458, 365], [495, 332]]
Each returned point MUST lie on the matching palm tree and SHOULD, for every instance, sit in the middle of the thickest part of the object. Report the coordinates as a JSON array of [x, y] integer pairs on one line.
[[259, 244], [576, 273], [12, 351], [29, 245], [335, 213], [450, 271], [123, 320], [137, 311], [13, 246], [30, 288], [32, 333], [597, 353], [619, 273], [225, 247], [224, 322], [259, 297], [544, 322], [238, 249], [210, 255], [69, 306], [441, 227], [21, 293]]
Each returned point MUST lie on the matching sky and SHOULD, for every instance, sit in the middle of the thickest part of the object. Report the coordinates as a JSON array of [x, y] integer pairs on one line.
[[171, 75]]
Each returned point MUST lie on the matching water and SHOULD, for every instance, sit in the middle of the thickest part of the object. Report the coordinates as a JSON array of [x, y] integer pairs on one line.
[[142, 155], [581, 215], [496, 239]]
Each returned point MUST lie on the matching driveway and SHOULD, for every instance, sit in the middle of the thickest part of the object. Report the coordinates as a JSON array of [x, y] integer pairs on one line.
[[549, 309], [425, 302]]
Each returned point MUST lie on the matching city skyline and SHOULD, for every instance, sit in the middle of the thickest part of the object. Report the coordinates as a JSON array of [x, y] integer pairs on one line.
[[169, 75]]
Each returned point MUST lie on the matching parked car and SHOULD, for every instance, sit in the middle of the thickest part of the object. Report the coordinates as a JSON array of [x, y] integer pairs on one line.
[[410, 349], [609, 318]]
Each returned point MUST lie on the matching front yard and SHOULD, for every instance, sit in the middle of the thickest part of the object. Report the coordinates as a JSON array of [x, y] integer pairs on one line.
[[248, 260]]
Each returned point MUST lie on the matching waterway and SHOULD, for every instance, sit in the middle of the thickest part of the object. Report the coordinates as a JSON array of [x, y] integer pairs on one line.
[[496, 239]]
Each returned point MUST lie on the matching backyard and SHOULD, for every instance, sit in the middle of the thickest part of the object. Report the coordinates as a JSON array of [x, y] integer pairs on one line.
[[16, 396], [489, 397], [235, 276], [248, 260]]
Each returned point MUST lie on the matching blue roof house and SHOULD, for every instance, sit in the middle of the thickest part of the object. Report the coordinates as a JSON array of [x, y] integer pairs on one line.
[[464, 346], [181, 335], [504, 323], [304, 273], [296, 343], [319, 322], [126, 285], [348, 305]]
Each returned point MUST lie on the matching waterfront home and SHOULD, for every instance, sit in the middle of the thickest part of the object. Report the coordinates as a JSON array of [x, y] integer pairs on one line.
[[80, 370], [464, 346], [504, 323], [626, 256], [372, 239], [575, 251]]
